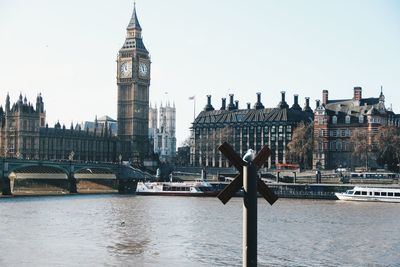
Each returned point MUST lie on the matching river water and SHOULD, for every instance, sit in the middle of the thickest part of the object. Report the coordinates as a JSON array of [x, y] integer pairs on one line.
[[114, 230]]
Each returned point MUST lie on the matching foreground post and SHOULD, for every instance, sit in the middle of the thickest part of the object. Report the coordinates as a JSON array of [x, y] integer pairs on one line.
[[249, 215], [247, 178]]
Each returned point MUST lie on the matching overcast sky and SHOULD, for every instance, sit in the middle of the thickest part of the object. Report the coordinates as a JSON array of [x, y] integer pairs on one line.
[[67, 51]]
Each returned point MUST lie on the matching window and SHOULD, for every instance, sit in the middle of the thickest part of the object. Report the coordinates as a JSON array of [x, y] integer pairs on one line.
[[339, 145], [334, 119], [280, 128], [361, 119], [347, 119], [390, 194], [377, 194], [289, 128], [364, 193], [383, 194], [357, 193]]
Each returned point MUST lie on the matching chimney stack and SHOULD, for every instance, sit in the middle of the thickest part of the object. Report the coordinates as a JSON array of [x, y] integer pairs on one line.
[[248, 105], [324, 97], [236, 104], [208, 107], [317, 102], [307, 105], [357, 93], [223, 107], [296, 105], [283, 103], [258, 104], [231, 106]]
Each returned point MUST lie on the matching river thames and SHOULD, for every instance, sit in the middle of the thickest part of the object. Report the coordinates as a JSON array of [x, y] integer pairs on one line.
[[115, 230]]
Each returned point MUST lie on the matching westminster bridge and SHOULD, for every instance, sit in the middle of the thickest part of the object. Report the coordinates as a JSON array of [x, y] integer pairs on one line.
[[32, 177]]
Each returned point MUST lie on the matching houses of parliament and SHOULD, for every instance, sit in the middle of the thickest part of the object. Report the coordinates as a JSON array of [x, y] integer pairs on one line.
[[25, 134]]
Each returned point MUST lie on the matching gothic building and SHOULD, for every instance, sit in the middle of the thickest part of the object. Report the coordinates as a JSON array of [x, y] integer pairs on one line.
[[133, 79], [336, 119], [252, 127], [162, 128], [24, 134]]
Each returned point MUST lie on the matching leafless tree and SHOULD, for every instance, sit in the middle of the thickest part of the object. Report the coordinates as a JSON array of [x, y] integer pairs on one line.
[[361, 144], [301, 146], [387, 146]]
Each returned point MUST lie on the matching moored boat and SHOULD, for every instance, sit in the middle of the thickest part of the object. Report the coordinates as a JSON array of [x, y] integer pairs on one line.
[[197, 188], [379, 194]]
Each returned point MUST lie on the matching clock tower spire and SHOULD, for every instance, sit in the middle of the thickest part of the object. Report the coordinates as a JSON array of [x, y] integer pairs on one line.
[[133, 80]]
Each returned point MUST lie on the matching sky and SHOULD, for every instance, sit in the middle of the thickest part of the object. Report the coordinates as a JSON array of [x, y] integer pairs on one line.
[[67, 50]]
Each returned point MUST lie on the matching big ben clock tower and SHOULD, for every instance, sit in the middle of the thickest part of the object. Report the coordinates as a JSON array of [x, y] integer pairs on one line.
[[133, 79]]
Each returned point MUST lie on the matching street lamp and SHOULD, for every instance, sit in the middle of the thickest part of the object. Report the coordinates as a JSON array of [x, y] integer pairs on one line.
[[119, 164], [72, 182]]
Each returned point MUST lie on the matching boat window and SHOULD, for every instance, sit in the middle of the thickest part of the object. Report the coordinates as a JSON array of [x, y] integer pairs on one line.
[[350, 192], [357, 193], [390, 194], [397, 194], [377, 194], [364, 193], [383, 194]]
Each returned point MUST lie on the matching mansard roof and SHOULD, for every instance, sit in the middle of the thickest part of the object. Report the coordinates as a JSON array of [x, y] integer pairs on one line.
[[218, 118], [366, 106]]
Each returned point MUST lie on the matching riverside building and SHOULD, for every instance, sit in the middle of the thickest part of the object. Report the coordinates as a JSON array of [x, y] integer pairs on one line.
[[251, 127], [336, 119]]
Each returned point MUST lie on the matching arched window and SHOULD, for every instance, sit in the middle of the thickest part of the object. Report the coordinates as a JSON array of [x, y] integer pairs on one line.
[[347, 119], [334, 119], [361, 119]]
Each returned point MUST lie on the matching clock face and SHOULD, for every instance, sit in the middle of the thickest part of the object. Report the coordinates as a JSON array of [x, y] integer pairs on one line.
[[125, 69], [143, 69]]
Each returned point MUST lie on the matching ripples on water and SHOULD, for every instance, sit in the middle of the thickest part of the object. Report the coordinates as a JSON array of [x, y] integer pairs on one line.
[[113, 230]]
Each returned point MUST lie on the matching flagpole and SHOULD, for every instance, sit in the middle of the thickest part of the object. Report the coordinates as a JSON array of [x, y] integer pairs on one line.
[[194, 108]]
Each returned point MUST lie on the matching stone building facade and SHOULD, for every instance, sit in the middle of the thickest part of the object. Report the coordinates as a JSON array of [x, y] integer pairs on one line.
[[133, 79], [25, 134], [162, 129], [336, 120], [252, 127]]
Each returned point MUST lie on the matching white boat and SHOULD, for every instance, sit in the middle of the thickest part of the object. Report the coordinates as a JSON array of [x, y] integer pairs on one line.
[[359, 193], [197, 188]]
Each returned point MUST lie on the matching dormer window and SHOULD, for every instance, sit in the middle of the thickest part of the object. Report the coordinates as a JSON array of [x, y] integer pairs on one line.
[[361, 119], [347, 119], [334, 119]]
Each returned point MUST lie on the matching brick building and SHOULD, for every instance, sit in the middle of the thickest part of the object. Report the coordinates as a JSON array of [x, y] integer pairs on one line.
[[336, 120]]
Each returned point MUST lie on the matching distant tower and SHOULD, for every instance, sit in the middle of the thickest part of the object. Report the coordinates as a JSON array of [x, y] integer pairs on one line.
[[133, 79], [163, 134]]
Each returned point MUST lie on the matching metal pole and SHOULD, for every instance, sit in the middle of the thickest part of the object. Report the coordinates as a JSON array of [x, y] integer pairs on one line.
[[249, 215]]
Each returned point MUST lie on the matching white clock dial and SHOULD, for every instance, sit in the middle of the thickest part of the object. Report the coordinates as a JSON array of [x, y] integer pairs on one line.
[[143, 69], [125, 69]]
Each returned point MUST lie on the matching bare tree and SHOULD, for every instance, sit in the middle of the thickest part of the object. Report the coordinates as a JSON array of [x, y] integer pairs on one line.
[[362, 145], [301, 146], [387, 146]]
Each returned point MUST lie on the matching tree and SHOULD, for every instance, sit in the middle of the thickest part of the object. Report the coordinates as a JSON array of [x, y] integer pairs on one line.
[[361, 143], [301, 146], [387, 146]]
